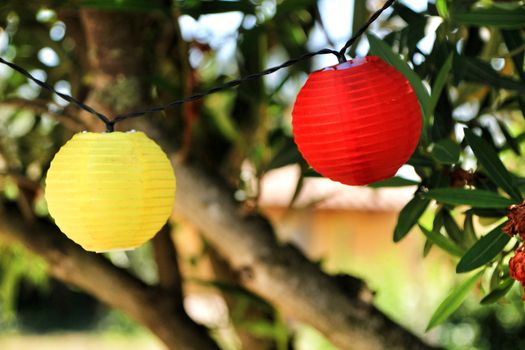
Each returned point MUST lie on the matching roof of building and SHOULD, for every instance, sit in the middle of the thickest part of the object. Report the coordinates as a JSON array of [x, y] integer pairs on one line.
[[278, 187]]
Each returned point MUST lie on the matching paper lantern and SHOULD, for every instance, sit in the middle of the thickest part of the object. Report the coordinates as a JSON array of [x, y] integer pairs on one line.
[[357, 122], [109, 191]]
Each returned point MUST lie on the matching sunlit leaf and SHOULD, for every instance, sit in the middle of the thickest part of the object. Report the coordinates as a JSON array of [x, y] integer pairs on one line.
[[443, 242], [442, 8], [440, 83], [453, 301]]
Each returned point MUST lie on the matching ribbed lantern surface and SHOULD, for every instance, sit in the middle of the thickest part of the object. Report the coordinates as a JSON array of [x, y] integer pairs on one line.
[[110, 191], [357, 122]]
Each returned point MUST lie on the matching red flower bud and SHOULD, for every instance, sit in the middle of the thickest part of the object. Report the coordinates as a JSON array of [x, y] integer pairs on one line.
[[517, 266]]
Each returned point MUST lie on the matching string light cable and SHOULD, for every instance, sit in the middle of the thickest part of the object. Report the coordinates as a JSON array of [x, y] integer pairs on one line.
[[110, 122]]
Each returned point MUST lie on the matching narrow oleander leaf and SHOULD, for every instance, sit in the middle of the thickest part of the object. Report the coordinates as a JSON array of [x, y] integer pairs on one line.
[[379, 48], [488, 213], [409, 216], [468, 229], [484, 250], [495, 169], [419, 160], [498, 17], [498, 292], [514, 42], [298, 188], [442, 8], [475, 70], [443, 242], [427, 247], [395, 181], [495, 277], [474, 198], [446, 151], [288, 154], [452, 228], [453, 301], [511, 141], [439, 84]]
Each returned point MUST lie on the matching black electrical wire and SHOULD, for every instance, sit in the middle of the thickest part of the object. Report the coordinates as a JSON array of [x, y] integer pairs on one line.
[[46, 86], [110, 123], [363, 29], [228, 85]]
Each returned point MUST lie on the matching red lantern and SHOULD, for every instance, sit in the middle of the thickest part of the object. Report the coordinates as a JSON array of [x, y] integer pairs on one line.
[[357, 122]]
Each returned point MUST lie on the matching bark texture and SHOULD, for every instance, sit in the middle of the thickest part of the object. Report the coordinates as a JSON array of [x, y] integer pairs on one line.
[[281, 274], [151, 306]]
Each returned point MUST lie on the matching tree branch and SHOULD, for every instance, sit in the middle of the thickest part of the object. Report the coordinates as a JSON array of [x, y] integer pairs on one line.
[[41, 106], [170, 278], [281, 274], [152, 307]]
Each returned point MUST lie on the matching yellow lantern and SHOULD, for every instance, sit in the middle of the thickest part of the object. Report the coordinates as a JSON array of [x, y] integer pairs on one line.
[[109, 191]]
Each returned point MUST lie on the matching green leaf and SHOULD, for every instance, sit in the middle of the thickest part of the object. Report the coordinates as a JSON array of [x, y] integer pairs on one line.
[[439, 84], [484, 250], [511, 141], [409, 216], [511, 18], [498, 292], [442, 242], [298, 188], [285, 155], [514, 41], [475, 70], [452, 228], [418, 159], [260, 328], [395, 181], [442, 8], [495, 277], [453, 301], [446, 151], [427, 247], [379, 48], [468, 229], [474, 198], [495, 169]]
